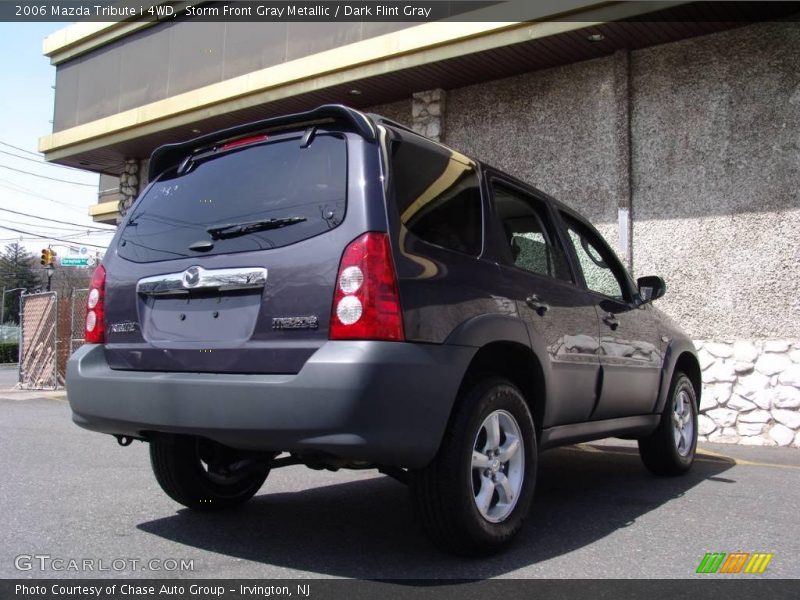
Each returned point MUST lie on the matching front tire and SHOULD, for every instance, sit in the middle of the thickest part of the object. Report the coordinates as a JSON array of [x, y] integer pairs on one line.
[[192, 471], [670, 449], [474, 496]]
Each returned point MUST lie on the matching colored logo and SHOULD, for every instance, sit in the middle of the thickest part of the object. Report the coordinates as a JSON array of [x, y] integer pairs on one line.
[[735, 562]]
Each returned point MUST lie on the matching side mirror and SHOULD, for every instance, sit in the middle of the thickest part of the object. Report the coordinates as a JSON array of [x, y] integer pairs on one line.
[[651, 288]]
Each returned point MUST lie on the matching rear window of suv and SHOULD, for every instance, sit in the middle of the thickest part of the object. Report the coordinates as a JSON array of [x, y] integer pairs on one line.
[[303, 189]]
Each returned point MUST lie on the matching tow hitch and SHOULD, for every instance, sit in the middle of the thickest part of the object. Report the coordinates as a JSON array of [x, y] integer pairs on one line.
[[124, 440]]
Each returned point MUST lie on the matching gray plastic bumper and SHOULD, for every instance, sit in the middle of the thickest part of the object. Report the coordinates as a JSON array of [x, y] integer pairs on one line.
[[382, 402]]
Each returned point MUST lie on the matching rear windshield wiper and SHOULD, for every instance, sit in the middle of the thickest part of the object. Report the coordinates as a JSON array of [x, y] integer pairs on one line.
[[232, 230]]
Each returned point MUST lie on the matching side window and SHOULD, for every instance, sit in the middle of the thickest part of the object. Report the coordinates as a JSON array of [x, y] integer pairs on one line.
[[595, 260], [438, 197], [528, 233]]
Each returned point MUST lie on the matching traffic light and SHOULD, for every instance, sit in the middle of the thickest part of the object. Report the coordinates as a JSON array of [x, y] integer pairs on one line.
[[48, 257]]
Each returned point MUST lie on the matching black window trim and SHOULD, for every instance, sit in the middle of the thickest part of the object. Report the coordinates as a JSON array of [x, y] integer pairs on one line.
[[553, 231]]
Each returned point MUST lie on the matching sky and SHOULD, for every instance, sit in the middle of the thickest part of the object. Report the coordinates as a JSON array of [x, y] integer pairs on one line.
[[26, 111]]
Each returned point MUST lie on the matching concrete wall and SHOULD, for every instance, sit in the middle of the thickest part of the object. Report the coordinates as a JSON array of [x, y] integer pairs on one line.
[[556, 129], [700, 141], [716, 178], [713, 176], [396, 111]]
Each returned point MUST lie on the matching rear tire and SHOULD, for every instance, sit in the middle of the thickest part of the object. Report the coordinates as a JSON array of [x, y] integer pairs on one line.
[[670, 449], [472, 499], [182, 466]]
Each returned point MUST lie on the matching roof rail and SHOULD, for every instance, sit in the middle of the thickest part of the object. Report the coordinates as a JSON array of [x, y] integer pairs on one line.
[[170, 155]]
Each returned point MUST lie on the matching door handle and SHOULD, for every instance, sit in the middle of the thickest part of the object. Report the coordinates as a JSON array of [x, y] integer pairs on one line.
[[536, 304], [611, 320]]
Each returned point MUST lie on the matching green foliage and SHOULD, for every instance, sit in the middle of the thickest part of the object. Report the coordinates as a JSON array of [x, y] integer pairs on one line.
[[16, 271], [9, 352]]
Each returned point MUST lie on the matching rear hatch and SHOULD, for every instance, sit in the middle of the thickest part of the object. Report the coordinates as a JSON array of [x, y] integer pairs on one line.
[[227, 262]]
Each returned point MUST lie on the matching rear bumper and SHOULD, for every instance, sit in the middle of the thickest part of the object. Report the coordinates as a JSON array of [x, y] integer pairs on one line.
[[382, 402]]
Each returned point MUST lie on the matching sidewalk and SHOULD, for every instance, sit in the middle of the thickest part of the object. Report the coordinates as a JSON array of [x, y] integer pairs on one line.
[[10, 391]]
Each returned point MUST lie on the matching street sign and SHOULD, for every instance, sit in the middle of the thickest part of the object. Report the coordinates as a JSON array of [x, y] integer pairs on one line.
[[74, 261]]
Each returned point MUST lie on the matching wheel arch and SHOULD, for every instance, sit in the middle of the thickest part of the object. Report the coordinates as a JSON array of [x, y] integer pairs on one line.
[[687, 363], [517, 363], [681, 357]]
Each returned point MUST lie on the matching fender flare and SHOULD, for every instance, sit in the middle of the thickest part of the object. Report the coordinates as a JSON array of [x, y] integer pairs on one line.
[[482, 330], [675, 348], [485, 329]]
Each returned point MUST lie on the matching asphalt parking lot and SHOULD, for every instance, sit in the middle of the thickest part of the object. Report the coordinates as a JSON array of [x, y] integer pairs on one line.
[[68, 493]]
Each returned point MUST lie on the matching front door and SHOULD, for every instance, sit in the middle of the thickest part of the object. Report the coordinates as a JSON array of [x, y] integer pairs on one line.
[[630, 345]]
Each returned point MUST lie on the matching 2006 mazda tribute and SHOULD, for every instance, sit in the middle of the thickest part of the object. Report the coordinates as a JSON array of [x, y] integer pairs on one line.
[[332, 289]]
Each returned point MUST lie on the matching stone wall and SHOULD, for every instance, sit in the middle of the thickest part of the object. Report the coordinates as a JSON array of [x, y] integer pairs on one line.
[[751, 392], [399, 111], [128, 185], [427, 113]]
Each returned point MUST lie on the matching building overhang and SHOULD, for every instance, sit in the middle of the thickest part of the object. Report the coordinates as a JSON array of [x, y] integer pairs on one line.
[[381, 69], [105, 212]]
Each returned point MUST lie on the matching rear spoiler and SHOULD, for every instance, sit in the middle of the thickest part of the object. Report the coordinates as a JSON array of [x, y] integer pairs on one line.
[[170, 155]]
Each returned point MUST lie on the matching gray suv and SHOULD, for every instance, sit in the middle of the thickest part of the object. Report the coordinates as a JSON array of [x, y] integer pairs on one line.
[[332, 289]]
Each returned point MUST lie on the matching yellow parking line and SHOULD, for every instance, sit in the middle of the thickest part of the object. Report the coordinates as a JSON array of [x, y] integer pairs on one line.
[[588, 448], [742, 462], [702, 455]]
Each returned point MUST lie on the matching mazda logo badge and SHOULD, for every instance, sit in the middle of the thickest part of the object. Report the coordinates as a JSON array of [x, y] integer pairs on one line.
[[191, 277]]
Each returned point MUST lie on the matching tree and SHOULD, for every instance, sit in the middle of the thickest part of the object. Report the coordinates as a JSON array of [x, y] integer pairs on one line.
[[66, 279], [16, 271]]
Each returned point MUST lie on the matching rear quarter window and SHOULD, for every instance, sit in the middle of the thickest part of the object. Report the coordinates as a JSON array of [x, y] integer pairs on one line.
[[438, 196], [273, 180]]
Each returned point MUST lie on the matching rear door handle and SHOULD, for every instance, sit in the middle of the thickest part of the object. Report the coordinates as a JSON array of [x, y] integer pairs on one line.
[[611, 320], [536, 304]]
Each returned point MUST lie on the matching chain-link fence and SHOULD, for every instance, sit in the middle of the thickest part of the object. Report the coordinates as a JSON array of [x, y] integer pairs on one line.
[[77, 313], [38, 363]]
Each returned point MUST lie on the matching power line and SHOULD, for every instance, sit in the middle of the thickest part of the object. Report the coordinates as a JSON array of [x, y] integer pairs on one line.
[[75, 236], [23, 190], [41, 162], [85, 233], [13, 240], [91, 185], [47, 237], [16, 212], [20, 149], [71, 230]]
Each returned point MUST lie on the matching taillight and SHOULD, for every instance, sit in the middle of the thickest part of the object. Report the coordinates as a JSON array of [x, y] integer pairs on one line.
[[95, 330], [244, 141], [366, 304]]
